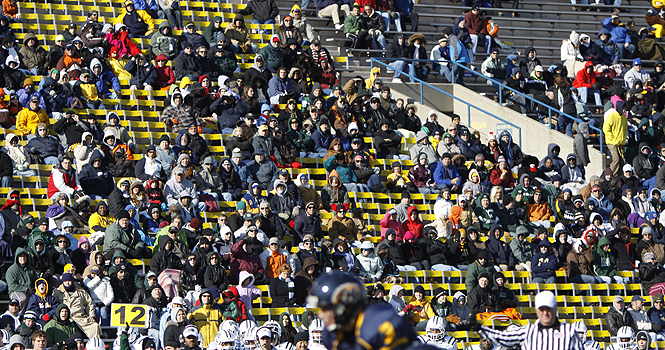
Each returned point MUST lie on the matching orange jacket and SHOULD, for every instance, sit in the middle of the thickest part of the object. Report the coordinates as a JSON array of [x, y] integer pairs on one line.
[[273, 263], [538, 212], [9, 9]]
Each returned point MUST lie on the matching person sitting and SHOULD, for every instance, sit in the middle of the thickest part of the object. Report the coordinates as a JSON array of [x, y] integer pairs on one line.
[[80, 305], [121, 235], [60, 327], [139, 22]]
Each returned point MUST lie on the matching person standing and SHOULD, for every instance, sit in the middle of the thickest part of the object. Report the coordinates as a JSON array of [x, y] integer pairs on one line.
[[546, 330], [615, 128]]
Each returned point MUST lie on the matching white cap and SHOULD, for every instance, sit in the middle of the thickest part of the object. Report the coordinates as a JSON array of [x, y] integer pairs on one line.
[[263, 332], [179, 301], [461, 198], [538, 68], [545, 298], [627, 167]]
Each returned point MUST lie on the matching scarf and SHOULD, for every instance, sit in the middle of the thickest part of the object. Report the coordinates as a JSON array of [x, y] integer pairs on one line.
[[152, 166], [350, 263], [11, 203], [290, 285]]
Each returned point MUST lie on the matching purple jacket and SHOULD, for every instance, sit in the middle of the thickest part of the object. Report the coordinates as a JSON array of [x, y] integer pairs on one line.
[[248, 293]]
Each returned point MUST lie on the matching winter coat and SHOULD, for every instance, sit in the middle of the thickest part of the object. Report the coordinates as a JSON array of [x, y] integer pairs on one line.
[[523, 251], [144, 75], [20, 278], [580, 264], [207, 318], [116, 237], [166, 45], [244, 261], [186, 65], [476, 270], [544, 265], [305, 224], [500, 250], [58, 330], [100, 289], [33, 57], [616, 319], [261, 10]]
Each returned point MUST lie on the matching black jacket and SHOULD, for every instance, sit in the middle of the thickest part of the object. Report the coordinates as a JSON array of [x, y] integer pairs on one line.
[[375, 21], [165, 259], [387, 143], [437, 251], [305, 224], [141, 75], [481, 299], [396, 50], [272, 226], [616, 320], [117, 202], [123, 290], [186, 65], [96, 180], [215, 276], [279, 291], [651, 274], [262, 10], [139, 172]]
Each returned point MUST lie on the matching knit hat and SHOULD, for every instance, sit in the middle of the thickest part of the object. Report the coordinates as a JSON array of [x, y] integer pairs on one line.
[[122, 215], [301, 336]]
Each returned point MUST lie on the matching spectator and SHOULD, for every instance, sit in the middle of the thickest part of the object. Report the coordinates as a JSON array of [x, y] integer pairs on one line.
[[332, 8], [590, 51], [273, 56], [416, 50], [21, 274], [60, 327], [238, 34], [454, 51], [121, 235], [11, 10], [619, 36], [375, 26], [580, 264], [476, 24], [635, 74], [186, 64], [101, 293], [164, 43], [618, 316], [262, 11], [33, 56], [610, 49], [245, 258], [79, 303], [303, 25], [143, 73], [139, 22], [585, 82], [522, 249]]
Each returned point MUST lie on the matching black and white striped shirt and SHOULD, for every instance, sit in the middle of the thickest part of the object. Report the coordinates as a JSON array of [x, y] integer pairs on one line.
[[561, 336]]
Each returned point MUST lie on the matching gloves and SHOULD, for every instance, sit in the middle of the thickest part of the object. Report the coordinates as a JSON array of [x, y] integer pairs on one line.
[[99, 304], [133, 252], [551, 68], [197, 288], [52, 93], [579, 59], [656, 327], [125, 329], [453, 319], [46, 317], [595, 86]]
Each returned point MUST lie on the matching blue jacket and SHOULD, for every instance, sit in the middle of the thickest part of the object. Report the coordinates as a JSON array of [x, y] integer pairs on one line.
[[24, 98], [104, 80], [656, 316], [542, 263], [46, 146], [41, 306], [499, 249], [604, 206], [277, 86], [346, 175], [322, 142], [469, 149], [443, 177], [405, 7], [619, 34], [96, 180]]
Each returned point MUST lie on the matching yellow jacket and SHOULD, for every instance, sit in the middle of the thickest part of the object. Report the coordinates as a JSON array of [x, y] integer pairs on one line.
[[27, 120], [425, 313], [207, 319], [98, 220], [144, 16], [89, 91], [615, 128], [369, 82], [118, 68]]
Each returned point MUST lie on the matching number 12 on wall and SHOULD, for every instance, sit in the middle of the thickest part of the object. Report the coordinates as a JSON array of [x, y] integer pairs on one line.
[[133, 314]]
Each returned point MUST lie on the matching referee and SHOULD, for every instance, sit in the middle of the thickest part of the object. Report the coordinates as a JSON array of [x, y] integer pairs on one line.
[[546, 333]]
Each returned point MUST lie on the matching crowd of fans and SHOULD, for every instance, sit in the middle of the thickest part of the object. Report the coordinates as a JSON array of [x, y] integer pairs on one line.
[[203, 280]]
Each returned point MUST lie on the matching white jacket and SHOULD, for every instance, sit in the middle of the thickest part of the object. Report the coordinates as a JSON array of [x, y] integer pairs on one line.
[[569, 51], [370, 266], [100, 289]]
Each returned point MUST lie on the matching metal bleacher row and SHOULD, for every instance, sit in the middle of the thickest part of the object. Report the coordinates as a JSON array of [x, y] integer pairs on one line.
[[541, 24]]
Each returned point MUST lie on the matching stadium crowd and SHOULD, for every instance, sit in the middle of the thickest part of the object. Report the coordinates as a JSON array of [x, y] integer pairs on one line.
[[204, 278]]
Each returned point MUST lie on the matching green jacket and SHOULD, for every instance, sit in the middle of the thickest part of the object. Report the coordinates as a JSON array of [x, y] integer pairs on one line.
[[273, 59], [131, 270], [474, 271], [300, 138], [443, 310], [164, 44], [116, 237], [209, 32], [605, 263], [20, 278], [353, 24], [58, 330], [230, 310], [224, 65], [487, 217], [551, 193], [523, 251]]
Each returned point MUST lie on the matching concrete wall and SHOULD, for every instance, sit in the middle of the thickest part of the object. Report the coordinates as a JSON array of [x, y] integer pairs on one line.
[[532, 136]]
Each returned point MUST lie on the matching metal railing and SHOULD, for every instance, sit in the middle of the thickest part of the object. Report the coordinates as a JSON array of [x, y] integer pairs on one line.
[[469, 105], [498, 84]]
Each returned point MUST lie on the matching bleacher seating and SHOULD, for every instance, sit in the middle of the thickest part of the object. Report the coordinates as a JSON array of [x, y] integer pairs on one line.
[[541, 24]]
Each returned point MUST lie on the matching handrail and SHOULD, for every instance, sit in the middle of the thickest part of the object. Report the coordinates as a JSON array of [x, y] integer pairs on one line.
[[501, 86], [469, 105]]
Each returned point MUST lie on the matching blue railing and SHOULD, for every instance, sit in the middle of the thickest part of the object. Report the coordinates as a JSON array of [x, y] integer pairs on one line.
[[500, 85]]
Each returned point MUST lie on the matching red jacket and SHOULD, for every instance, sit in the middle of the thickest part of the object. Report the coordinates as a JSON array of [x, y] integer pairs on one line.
[[68, 179], [328, 79], [165, 76], [243, 261], [475, 24], [584, 79], [496, 180], [415, 226]]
